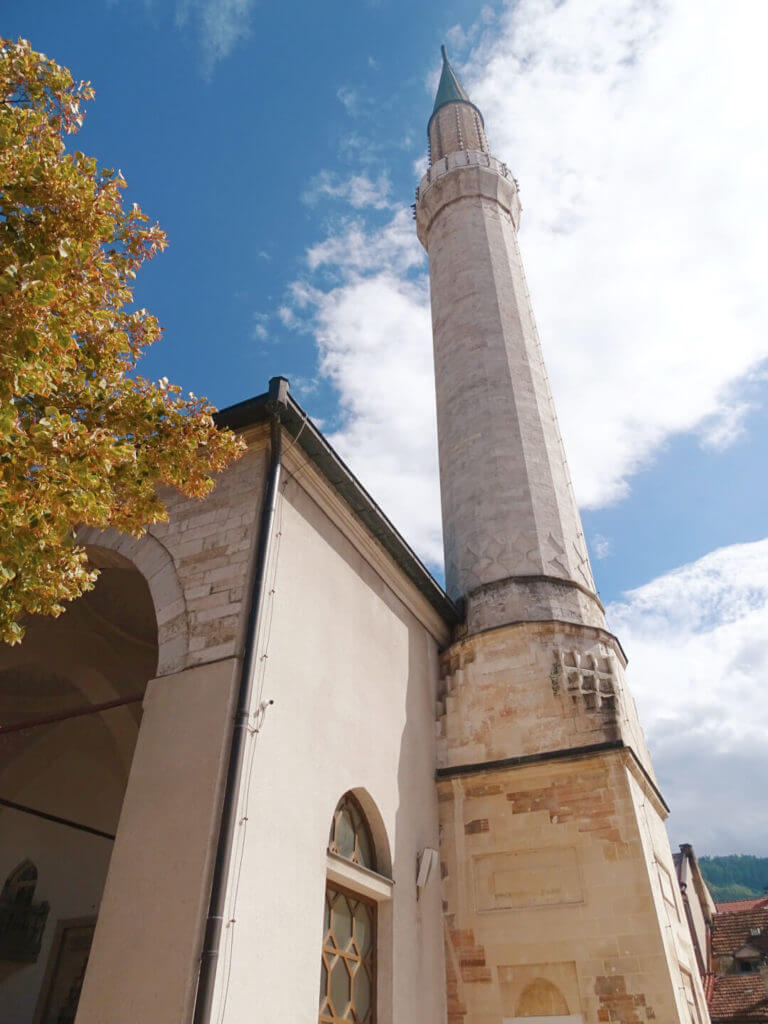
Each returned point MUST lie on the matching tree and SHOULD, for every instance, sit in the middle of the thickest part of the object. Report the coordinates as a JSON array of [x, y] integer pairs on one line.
[[83, 439]]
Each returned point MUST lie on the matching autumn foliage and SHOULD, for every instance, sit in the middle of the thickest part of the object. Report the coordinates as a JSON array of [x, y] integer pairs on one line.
[[83, 439]]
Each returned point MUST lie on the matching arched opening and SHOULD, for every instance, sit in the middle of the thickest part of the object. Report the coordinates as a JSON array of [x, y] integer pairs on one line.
[[351, 948], [541, 999], [70, 709]]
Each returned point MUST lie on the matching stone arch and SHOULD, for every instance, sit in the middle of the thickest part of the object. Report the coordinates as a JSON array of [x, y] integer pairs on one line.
[[108, 548], [541, 998]]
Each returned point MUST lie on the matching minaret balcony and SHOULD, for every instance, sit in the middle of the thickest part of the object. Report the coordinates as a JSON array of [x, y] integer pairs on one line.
[[465, 173]]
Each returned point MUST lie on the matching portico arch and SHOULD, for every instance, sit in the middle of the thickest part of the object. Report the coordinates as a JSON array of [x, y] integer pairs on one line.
[[108, 548], [71, 699]]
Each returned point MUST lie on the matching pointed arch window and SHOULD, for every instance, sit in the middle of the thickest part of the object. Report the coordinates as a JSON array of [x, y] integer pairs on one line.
[[21, 921], [351, 835], [353, 890]]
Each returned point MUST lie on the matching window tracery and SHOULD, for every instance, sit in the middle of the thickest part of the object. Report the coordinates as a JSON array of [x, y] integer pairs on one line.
[[351, 835], [348, 966]]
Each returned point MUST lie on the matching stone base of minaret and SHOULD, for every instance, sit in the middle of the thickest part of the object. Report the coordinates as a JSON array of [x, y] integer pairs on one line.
[[560, 895]]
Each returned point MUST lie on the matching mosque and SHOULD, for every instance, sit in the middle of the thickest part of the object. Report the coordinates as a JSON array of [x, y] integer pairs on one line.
[[269, 770]]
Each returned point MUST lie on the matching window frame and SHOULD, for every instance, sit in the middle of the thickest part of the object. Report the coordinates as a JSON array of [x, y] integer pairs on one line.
[[326, 1018], [366, 885]]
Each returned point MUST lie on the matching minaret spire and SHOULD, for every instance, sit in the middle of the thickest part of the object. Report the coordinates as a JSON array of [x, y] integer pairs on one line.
[[450, 89]]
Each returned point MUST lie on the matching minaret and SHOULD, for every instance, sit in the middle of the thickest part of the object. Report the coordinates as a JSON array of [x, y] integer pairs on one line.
[[559, 886], [514, 546]]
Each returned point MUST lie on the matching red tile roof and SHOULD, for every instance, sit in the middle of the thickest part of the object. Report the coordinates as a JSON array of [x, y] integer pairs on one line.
[[733, 930], [737, 906], [739, 997]]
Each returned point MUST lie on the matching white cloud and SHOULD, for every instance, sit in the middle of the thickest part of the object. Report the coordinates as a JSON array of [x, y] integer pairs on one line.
[[259, 329], [222, 24], [353, 250], [305, 387], [601, 546], [351, 99], [373, 332], [697, 640], [358, 190], [287, 316], [637, 132], [368, 322]]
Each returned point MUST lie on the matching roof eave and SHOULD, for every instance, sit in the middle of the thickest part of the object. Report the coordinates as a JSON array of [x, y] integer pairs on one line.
[[298, 424]]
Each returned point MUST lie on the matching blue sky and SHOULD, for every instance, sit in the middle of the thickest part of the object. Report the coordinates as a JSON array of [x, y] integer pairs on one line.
[[279, 146]]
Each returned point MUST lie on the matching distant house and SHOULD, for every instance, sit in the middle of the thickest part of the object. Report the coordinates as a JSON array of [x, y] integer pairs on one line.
[[738, 991]]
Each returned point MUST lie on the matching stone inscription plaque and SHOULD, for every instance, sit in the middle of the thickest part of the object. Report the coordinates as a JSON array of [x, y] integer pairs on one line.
[[527, 878]]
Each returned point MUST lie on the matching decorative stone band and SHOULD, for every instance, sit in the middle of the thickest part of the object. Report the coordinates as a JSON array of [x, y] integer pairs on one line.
[[461, 175], [462, 650], [567, 754], [532, 598]]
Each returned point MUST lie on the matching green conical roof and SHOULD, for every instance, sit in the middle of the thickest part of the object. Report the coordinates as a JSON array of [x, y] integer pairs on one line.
[[450, 89]]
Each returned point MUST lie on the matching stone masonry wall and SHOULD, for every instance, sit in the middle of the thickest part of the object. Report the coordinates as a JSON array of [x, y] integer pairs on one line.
[[197, 563], [548, 903], [533, 687]]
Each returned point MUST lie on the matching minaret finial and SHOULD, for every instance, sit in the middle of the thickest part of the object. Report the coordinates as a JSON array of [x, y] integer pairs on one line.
[[450, 89]]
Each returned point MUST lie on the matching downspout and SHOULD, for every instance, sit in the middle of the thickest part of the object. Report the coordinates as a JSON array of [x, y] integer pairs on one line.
[[278, 391]]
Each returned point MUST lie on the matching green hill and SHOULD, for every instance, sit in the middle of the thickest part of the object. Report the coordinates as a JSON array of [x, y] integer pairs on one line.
[[737, 876]]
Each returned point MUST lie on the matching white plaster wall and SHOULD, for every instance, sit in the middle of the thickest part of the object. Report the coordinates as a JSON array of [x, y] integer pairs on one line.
[[353, 676]]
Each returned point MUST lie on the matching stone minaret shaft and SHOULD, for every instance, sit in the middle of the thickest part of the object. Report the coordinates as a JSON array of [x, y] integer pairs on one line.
[[558, 883], [514, 546]]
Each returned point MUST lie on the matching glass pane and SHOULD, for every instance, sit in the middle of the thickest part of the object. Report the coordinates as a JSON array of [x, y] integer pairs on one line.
[[345, 834], [341, 921], [362, 993], [364, 847], [363, 928], [327, 915], [339, 988]]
